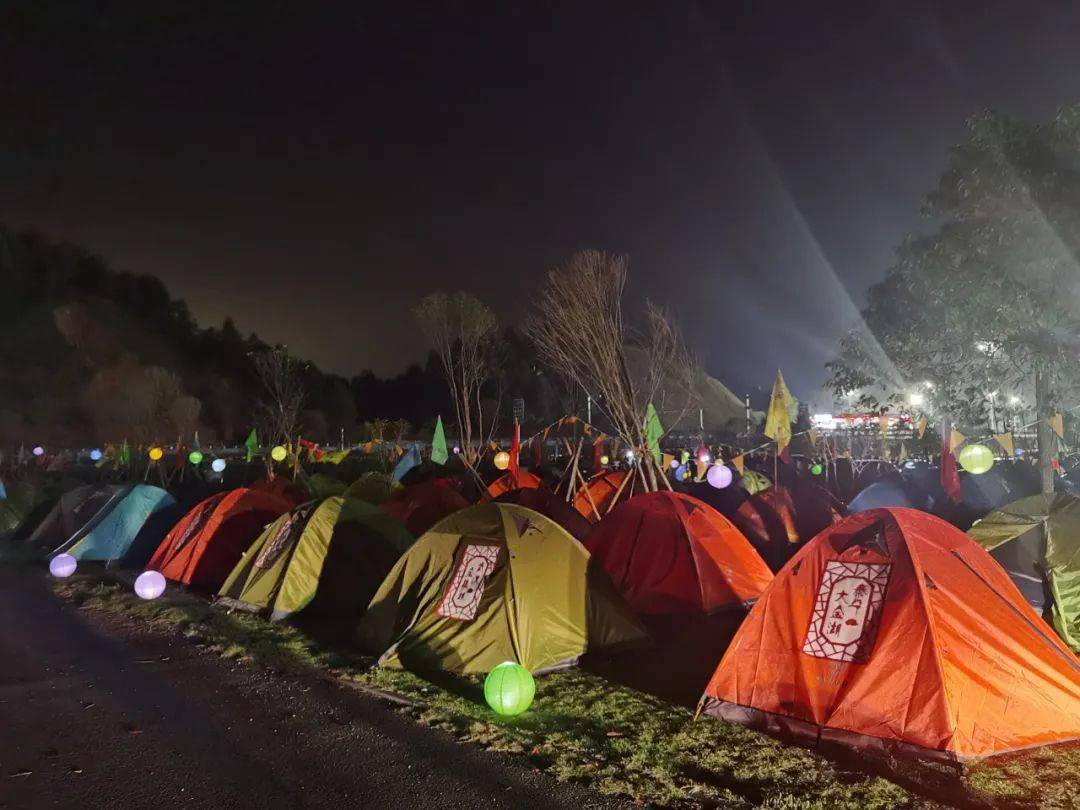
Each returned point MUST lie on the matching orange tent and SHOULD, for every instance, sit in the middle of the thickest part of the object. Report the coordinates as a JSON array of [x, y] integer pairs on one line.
[[776, 520], [601, 489], [418, 507], [893, 630], [208, 542], [671, 553], [506, 483], [550, 505]]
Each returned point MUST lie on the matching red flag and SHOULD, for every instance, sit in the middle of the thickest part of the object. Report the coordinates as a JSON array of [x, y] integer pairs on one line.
[[950, 478], [538, 453], [597, 453], [515, 449]]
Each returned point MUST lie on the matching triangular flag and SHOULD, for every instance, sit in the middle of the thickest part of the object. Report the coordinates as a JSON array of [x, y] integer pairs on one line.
[[702, 468], [1006, 442], [439, 454], [920, 428], [654, 431], [883, 424], [538, 453], [252, 444], [1057, 424], [408, 461], [515, 452], [956, 438], [739, 463], [950, 476], [778, 417], [813, 434], [125, 454], [666, 460]]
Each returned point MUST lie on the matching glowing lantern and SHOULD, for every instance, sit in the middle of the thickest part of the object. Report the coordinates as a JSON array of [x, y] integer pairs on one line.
[[39, 450], [457, 450], [675, 464], [685, 457], [704, 458], [604, 460], [62, 565], [95, 455], [754, 482], [682, 473], [817, 469], [279, 453], [719, 476], [218, 465], [509, 689], [156, 453], [502, 460], [976, 458], [630, 456], [195, 457], [149, 585]]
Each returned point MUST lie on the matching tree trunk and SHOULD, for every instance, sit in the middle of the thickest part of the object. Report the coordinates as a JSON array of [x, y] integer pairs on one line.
[[1044, 433]]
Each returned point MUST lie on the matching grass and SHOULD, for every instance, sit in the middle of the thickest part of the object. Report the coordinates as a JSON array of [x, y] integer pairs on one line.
[[584, 728]]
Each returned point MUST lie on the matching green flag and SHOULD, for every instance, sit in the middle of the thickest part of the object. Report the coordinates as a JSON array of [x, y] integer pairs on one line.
[[252, 444], [438, 444], [125, 454], [653, 432]]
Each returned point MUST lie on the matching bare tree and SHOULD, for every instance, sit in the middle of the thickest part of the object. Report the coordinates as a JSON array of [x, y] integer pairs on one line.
[[462, 329], [283, 393], [583, 335]]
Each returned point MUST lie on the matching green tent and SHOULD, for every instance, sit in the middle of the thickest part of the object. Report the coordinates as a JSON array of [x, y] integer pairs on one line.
[[1037, 540], [321, 485], [373, 487], [492, 583], [328, 556]]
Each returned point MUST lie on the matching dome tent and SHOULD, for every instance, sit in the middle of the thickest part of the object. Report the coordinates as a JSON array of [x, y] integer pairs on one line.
[[551, 505], [893, 631], [508, 483], [108, 534], [670, 553], [492, 583], [71, 512], [209, 540], [600, 492], [418, 507], [1037, 541], [333, 553]]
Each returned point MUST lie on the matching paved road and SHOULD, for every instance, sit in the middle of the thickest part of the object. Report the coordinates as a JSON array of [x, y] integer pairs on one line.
[[97, 712]]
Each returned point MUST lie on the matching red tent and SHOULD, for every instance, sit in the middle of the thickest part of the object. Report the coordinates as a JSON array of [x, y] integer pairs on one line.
[[601, 491], [283, 487], [551, 505], [778, 520], [204, 547], [893, 630], [420, 506], [505, 483], [671, 553]]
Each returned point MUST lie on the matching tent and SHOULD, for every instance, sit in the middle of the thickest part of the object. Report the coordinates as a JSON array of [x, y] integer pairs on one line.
[[550, 505], [209, 540], [418, 507], [894, 631], [600, 492], [506, 483], [321, 485], [330, 554], [111, 530], [879, 495], [71, 512], [1037, 541], [373, 487], [492, 583], [670, 553], [778, 520], [283, 487], [21, 500]]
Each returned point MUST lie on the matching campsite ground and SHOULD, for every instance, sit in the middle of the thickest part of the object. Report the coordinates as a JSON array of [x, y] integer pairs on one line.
[[103, 695]]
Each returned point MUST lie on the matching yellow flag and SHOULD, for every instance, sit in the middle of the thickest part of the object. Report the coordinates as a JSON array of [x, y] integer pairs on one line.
[[702, 468], [920, 429], [1057, 424], [883, 423], [1006, 442], [778, 418], [955, 440], [666, 460], [813, 434], [740, 464]]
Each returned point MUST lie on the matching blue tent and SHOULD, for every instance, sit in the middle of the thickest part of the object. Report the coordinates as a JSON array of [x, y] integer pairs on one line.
[[878, 495], [111, 531]]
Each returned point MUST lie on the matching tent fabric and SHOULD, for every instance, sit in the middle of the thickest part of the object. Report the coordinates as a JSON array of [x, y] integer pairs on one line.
[[115, 526], [373, 487], [204, 547], [1037, 541], [420, 506], [601, 490], [550, 505], [283, 487], [880, 495], [17, 506], [669, 553], [328, 556], [73, 511], [492, 583], [894, 631], [506, 483], [778, 520]]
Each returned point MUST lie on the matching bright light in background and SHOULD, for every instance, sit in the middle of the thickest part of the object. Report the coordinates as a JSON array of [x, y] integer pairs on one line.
[[1014, 400], [916, 399]]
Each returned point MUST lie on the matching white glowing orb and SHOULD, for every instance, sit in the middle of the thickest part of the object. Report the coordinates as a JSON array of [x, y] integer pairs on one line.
[[217, 465], [150, 585], [95, 455], [39, 450], [62, 565]]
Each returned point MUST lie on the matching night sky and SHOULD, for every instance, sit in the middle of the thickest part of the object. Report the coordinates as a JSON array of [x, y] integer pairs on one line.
[[314, 169]]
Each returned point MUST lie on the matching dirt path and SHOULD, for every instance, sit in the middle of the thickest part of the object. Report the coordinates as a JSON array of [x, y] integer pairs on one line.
[[96, 711]]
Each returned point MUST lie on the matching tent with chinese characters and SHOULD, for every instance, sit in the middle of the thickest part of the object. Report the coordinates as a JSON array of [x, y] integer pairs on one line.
[[324, 557], [894, 631], [492, 583], [670, 553], [1037, 540], [209, 540]]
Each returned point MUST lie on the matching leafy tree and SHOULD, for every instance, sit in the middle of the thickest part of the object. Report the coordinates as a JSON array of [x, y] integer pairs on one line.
[[990, 302]]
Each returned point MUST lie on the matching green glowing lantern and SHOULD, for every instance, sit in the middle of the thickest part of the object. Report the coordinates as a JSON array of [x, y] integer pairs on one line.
[[509, 689], [195, 457], [279, 453], [976, 458], [817, 469]]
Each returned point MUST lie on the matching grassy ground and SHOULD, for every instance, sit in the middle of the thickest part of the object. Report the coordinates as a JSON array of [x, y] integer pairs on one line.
[[582, 727]]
